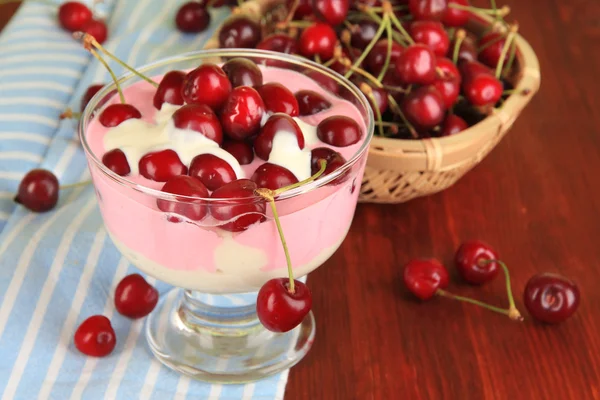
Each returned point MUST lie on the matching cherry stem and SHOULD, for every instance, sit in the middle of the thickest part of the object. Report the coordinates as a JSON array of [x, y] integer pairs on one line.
[[110, 71], [397, 36], [367, 75], [396, 89], [399, 26], [68, 114], [502, 12], [396, 108], [388, 56], [291, 12], [443, 293], [322, 165], [460, 36], [74, 185], [491, 42], [366, 89], [511, 58], [294, 24], [513, 313], [507, 44], [370, 46]]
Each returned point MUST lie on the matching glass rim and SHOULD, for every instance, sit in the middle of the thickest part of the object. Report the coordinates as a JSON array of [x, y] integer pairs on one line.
[[87, 115]]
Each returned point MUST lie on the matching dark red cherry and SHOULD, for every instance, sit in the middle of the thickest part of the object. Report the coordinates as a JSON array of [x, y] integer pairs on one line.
[[318, 39], [339, 131], [273, 176], [472, 264], [482, 89], [453, 124], [467, 50], [208, 84], [161, 166], [491, 46], [424, 277], [199, 118], [212, 171], [169, 89], [449, 83], [240, 32], [97, 29], [416, 64], [381, 99], [89, 93], [304, 8], [424, 107], [364, 31], [95, 337], [192, 17], [278, 99], [243, 72], [280, 43], [73, 15], [376, 58], [239, 206], [116, 161], [551, 298], [188, 186], [280, 310], [333, 12], [135, 297], [432, 34], [277, 123], [333, 159], [242, 113], [242, 151], [310, 102], [38, 190], [427, 9], [115, 114], [455, 17]]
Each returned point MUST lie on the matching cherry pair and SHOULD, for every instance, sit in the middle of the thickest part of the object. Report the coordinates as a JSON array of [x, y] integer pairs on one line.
[[74, 16]]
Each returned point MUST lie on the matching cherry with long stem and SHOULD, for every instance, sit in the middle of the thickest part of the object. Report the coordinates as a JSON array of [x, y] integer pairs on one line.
[[459, 38]]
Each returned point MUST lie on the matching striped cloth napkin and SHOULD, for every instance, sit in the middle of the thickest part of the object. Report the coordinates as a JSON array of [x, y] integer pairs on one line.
[[60, 267]]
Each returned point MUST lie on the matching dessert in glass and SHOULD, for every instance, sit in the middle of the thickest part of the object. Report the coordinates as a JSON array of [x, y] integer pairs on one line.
[[178, 171]]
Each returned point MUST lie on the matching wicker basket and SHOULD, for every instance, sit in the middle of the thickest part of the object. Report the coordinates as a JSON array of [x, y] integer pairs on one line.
[[400, 170]]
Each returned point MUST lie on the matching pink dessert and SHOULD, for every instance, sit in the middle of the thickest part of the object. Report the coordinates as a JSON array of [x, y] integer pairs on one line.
[[197, 242]]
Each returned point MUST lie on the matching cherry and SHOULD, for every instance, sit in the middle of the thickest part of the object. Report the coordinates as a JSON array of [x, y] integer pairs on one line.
[[333, 12], [491, 46], [333, 159], [279, 99], [310, 102], [304, 8], [424, 107], [341, 67], [467, 50], [482, 89], [381, 99], [188, 186], [212, 171], [169, 89], [339, 131], [242, 151], [208, 84], [238, 201], [273, 176], [199, 118], [277, 123], [416, 65], [364, 31], [318, 40], [161, 166], [95, 337], [242, 113], [38, 190], [471, 262], [73, 15], [243, 72], [449, 84], [456, 17], [376, 58], [280, 43], [453, 124], [551, 298], [279, 309], [97, 29], [115, 114], [432, 34], [134, 297], [192, 17], [427, 9], [424, 277], [240, 32], [89, 93], [116, 161]]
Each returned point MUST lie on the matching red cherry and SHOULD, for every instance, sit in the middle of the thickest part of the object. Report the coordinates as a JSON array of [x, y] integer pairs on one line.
[[97, 29], [161, 166], [73, 15], [280, 43], [278, 309], [192, 17], [449, 84], [273, 176], [212, 171], [376, 58], [169, 89], [134, 297], [456, 17], [310, 102], [243, 72], [491, 46], [432, 34], [424, 277], [115, 114], [363, 33], [341, 67], [116, 161], [199, 118], [333, 12], [551, 298], [467, 50], [339, 131], [242, 113], [318, 39], [89, 93], [95, 337], [242, 151], [482, 89], [381, 99], [278, 99], [208, 84], [471, 262], [424, 107], [188, 186], [277, 123], [333, 159], [240, 202], [453, 125], [38, 190], [427, 9], [416, 65], [240, 32], [304, 8]]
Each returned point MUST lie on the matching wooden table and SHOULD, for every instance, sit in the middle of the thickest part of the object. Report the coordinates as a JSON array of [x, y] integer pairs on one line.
[[536, 198]]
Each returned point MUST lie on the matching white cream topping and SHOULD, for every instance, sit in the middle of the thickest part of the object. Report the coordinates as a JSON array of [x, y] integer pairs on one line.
[[308, 131], [286, 153]]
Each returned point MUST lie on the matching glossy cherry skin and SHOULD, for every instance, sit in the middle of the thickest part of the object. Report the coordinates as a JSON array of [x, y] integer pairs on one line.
[[116, 161], [169, 89], [376, 58], [208, 84], [89, 93], [199, 118], [318, 39], [243, 72], [161, 166], [73, 15], [239, 202], [280, 43], [381, 99], [192, 17], [454, 17], [424, 107], [333, 159], [273, 176], [242, 113], [212, 171], [482, 89], [115, 114], [279, 99], [188, 186], [452, 125], [449, 84], [339, 131], [470, 260], [278, 309], [38, 190], [424, 277], [310, 102], [427, 9], [333, 12], [240, 32], [491, 46], [432, 34], [304, 8], [416, 64], [135, 297], [276, 123], [363, 34], [242, 151], [97, 29], [95, 337], [551, 298]]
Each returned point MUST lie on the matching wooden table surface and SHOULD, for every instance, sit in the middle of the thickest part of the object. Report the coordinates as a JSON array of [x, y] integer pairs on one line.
[[536, 198]]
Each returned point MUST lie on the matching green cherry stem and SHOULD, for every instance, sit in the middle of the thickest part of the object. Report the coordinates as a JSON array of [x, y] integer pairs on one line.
[[322, 167], [443, 293], [367, 75], [110, 71], [69, 114], [369, 47], [399, 26], [388, 56], [460, 36], [511, 58], [74, 185], [513, 313], [507, 44], [366, 89], [498, 12], [396, 108]]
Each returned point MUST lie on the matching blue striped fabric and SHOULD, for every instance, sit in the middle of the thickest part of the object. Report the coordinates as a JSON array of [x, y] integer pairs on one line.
[[60, 267]]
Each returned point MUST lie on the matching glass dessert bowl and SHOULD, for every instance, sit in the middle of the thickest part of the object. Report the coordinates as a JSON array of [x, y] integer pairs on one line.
[[218, 242]]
